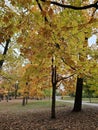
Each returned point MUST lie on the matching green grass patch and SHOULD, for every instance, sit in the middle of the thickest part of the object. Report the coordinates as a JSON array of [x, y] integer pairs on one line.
[[68, 98], [93, 100], [16, 105]]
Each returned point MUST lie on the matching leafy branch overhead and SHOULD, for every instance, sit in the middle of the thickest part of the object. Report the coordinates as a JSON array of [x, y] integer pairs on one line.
[[95, 5]]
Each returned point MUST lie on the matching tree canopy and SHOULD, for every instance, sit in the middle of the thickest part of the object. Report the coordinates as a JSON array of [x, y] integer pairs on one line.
[[42, 30]]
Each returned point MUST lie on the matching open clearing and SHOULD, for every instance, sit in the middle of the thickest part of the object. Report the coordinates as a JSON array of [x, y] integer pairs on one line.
[[36, 116]]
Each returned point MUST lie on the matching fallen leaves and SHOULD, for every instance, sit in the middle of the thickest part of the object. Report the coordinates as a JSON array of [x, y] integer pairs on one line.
[[40, 120]]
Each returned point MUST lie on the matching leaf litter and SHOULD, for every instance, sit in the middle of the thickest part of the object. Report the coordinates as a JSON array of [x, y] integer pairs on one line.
[[40, 119]]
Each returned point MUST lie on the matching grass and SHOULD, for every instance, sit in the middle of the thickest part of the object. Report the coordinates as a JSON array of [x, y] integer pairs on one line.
[[68, 98], [33, 105], [93, 100], [16, 105]]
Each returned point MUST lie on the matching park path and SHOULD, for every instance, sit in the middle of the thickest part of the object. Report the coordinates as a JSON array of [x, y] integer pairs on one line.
[[84, 102]]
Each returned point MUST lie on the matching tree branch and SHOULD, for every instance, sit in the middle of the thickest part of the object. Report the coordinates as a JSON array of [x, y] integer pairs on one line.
[[95, 5], [5, 51], [63, 78], [6, 46], [67, 64], [39, 5], [2, 45]]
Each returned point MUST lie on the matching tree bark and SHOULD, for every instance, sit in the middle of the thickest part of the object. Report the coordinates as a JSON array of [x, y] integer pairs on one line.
[[16, 94], [16, 90], [54, 82], [4, 52], [53, 115], [24, 101], [78, 96]]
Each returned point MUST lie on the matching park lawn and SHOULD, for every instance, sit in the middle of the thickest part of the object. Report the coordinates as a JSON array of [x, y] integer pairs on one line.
[[93, 100], [15, 105]]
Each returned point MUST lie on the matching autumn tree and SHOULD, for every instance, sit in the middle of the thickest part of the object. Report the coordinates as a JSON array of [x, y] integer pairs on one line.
[[45, 32], [56, 29], [6, 31]]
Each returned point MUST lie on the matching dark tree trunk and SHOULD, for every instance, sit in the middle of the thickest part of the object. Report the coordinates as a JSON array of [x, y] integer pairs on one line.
[[53, 116], [16, 90], [0, 97], [24, 101], [15, 94], [2, 61], [54, 82], [7, 98], [78, 96], [5, 51]]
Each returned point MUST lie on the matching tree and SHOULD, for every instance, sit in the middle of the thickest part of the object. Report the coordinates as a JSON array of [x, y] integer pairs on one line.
[[61, 41], [65, 34]]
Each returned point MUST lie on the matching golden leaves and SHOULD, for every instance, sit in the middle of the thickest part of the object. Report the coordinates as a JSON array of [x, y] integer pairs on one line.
[[20, 39], [44, 13], [47, 12], [1, 37], [34, 9], [6, 19], [50, 12], [24, 2]]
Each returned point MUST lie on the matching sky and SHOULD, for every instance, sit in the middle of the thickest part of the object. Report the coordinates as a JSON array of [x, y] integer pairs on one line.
[[92, 40]]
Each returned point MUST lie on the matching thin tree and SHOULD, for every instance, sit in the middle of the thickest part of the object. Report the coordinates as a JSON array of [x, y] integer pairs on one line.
[[4, 52]]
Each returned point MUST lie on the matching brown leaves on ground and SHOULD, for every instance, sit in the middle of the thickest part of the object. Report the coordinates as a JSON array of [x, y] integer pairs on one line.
[[40, 120]]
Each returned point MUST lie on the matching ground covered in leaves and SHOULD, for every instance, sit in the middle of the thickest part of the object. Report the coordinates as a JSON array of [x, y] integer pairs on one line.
[[39, 119]]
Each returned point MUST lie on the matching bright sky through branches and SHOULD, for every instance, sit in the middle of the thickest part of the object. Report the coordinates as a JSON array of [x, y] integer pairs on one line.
[[92, 40]]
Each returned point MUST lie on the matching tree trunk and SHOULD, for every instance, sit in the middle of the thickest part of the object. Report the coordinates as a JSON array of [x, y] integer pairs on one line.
[[15, 94], [5, 51], [0, 97], [16, 90], [24, 101], [53, 115], [78, 96]]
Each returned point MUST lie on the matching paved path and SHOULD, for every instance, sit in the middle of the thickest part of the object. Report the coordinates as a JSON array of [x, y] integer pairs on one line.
[[84, 102]]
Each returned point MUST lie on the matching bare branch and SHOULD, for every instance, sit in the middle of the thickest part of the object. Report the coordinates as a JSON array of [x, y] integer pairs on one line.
[[39, 5], [63, 78], [67, 64], [95, 5], [2, 45]]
